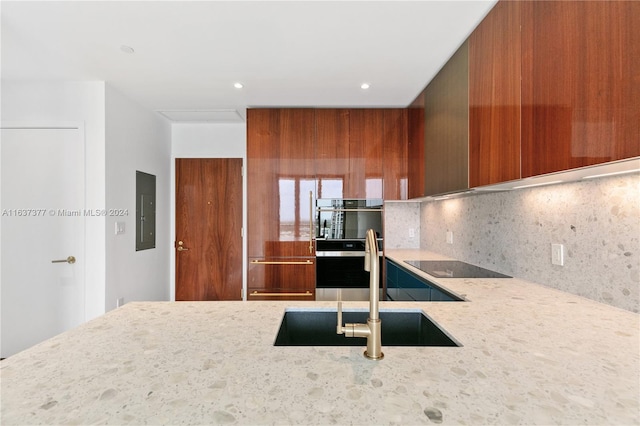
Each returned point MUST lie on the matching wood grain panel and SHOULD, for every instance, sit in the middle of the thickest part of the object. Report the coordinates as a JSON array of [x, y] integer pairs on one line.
[[263, 135], [366, 133], [494, 97], [394, 154], [581, 84], [415, 161], [209, 222], [332, 152], [447, 127], [297, 279], [281, 173]]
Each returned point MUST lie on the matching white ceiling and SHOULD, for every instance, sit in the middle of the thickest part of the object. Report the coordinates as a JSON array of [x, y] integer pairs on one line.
[[188, 54]]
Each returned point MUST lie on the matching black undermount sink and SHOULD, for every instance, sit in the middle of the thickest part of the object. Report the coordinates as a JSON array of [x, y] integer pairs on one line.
[[399, 328]]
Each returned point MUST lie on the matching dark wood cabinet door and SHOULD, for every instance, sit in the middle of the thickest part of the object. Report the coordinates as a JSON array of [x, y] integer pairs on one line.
[[281, 183], [281, 279], [494, 96], [332, 152], [366, 133], [580, 84], [394, 154], [415, 148], [446, 127]]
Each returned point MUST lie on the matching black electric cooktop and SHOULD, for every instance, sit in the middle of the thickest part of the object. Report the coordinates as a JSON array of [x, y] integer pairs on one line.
[[453, 269]]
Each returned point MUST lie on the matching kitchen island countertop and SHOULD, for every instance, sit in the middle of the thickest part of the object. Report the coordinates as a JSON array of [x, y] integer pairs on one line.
[[530, 355]]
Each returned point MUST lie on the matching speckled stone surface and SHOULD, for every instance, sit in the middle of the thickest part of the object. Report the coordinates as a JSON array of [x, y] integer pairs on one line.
[[531, 355], [597, 221], [399, 217]]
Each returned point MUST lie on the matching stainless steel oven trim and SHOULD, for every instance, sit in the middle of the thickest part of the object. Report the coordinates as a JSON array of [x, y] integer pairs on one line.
[[329, 209], [342, 254]]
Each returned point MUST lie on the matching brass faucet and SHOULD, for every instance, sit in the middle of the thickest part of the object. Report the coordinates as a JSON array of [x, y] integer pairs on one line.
[[370, 330]]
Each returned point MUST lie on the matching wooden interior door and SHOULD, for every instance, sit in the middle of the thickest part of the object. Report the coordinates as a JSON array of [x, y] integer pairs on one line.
[[208, 229]]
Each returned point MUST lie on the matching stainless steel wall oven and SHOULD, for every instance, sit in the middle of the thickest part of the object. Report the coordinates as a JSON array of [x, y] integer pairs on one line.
[[341, 226]]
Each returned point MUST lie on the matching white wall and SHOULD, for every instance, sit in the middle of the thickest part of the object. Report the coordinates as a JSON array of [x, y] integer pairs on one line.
[[208, 141], [50, 103], [136, 139]]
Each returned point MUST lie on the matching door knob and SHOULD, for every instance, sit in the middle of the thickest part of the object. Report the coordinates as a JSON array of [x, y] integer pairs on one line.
[[70, 260], [180, 247]]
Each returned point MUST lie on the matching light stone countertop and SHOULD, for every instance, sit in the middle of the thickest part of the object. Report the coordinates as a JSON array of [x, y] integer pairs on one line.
[[531, 355]]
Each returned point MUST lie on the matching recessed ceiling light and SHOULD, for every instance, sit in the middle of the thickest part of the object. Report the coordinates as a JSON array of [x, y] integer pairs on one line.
[[238, 85], [127, 49], [364, 86]]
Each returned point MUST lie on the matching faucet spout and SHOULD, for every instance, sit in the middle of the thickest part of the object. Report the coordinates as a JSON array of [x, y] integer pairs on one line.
[[372, 329], [374, 339]]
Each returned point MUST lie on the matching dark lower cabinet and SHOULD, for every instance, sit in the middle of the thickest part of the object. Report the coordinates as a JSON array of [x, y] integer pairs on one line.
[[403, 285]]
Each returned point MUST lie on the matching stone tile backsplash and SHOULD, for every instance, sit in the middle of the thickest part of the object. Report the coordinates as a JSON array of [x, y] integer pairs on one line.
[[597, 221], [400, 218]]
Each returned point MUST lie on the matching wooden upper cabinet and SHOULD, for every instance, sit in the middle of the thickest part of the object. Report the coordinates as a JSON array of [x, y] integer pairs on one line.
[[281, 182], [446, 128], [366, 134], [332, 152], [394, 154], [361, 153], [580, 84], [494, 96], [415, 147]]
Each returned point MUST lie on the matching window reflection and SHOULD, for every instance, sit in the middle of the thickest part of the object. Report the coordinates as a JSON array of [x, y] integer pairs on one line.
[[295, 207], [331, 187], [373, 188]]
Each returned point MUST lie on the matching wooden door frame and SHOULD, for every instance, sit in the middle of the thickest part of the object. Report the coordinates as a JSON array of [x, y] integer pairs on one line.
[[172, 225]]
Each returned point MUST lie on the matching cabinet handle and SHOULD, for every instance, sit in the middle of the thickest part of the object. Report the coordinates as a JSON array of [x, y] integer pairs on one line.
[[257, 293], [310, 222], [283, 262]]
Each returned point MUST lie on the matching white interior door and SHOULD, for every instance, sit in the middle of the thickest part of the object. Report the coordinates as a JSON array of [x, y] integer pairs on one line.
[[42, 207]]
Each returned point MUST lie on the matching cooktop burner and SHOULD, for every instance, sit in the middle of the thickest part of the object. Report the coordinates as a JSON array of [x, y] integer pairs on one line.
[[453, 269]]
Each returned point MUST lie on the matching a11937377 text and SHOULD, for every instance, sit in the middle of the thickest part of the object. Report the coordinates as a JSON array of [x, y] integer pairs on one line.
[[64, 212]]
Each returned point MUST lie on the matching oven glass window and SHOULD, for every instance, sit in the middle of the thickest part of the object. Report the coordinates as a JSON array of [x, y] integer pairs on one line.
[[348, 219]]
